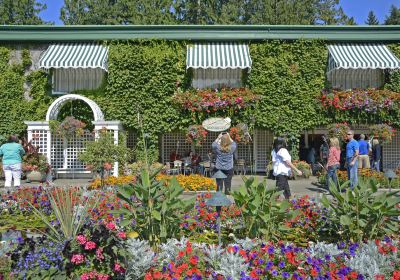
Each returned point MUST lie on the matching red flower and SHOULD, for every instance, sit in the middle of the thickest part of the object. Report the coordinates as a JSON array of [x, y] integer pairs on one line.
[[193, 260], [121, 234], [110, 226]]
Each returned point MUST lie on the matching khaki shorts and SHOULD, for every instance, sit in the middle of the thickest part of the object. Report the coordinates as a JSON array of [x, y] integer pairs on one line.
[[363, 161]]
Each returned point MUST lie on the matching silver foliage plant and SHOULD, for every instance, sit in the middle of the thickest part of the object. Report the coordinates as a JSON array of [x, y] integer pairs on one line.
[[212, 255], [322, 249], [247, 243], [170, 249], [369, 262], [140, 258], [232, 265]]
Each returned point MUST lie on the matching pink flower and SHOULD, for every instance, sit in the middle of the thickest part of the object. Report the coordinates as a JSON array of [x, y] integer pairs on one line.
[[90, 245], [99, 254], [110, 226], [102, 277], [85, 276], [77, 259], [118, 268], [81, 239], [121, 234]]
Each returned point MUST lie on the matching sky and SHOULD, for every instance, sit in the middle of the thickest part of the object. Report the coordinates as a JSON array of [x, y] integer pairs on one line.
[[356, 8]]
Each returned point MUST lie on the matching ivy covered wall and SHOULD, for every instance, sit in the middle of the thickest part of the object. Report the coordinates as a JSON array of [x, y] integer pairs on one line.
[[143, 76]]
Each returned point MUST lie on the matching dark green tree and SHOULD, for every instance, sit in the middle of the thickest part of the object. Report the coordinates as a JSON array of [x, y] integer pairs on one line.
[[372, 20], [394, 16], [21, 12], [329, 12], [117, 12]]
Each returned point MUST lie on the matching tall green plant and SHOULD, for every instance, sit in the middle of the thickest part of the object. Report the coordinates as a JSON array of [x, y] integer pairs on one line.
[[156, 209], [364, 213], [263, 214], [70, 208]]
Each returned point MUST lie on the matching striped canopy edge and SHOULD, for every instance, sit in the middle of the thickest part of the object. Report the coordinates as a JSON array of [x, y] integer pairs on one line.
[[361, 56], [75, 55], [218, 56]]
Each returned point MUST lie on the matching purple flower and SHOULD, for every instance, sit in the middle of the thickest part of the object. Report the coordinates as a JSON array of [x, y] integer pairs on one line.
[[285, 274]]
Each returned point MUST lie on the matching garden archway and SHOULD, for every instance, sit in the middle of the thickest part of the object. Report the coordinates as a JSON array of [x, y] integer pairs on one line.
[[63, 155], [57, 104]]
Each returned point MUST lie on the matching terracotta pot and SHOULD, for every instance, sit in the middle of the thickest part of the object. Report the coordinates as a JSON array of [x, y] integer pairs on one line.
[[36, 176]]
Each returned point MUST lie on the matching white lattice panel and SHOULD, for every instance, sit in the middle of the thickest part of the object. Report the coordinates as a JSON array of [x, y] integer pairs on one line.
[[391, 153], [57, 152], [65, 154], [170, 141], [39, 139], [263, 146]]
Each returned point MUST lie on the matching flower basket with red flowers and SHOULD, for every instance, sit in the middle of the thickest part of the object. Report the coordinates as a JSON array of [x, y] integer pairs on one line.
[[212, 100], [338, 130], [383, 131], [68, 128], [240, 134], [369, 100], [196, 134]]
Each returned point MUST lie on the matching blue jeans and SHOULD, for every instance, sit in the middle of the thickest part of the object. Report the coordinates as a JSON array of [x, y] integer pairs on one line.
[[376, 165], [352, 173], [332, 175]]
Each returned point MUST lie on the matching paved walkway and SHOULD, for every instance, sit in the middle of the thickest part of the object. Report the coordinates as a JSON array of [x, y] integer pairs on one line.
[[298, 187]]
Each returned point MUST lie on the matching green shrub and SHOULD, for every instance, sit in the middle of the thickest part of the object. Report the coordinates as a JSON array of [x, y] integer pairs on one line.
[[363, 213]]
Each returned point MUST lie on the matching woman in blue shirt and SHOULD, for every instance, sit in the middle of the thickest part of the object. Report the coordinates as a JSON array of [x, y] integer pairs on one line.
[[225, 150], [12, 153]]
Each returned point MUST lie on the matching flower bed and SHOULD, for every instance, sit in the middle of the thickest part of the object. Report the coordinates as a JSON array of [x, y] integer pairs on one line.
[[112, 181], [147, 231], [192, 182], [375, 177]]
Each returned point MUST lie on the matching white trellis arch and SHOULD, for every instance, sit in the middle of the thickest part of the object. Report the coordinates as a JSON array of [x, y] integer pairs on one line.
[[55, 148]]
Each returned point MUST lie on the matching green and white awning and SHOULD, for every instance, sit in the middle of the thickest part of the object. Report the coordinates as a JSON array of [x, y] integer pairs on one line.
[[361, 56], [218, 56], [75, 55]]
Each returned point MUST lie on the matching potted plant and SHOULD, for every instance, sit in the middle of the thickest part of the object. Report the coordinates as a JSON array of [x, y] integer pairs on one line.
[[68, 128], [34, 164], [101, 153], [240, 134], [338, 130], [196, 134], [304, 167], [382, 131]]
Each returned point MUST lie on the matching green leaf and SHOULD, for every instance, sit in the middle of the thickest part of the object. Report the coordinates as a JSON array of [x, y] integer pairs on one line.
[[345, 220], [156, 215]]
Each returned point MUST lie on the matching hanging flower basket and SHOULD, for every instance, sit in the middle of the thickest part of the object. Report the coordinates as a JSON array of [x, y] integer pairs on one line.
[[68, 128], [240, 134], [369, 100], [338, 130], [382, 131], [196, 134], [212, 100]]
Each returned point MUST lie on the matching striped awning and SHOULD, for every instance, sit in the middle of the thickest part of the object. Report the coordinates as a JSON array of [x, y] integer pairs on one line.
[[218, 55], [361, 56], [75, 55]]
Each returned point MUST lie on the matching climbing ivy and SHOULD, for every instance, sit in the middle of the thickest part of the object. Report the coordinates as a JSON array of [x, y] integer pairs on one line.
[[143, 76]]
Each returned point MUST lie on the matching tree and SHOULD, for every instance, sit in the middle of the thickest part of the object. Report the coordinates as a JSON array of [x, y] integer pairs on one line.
[[372, 20], [329, 12], [21, 12], [394, 16], [117, 12]]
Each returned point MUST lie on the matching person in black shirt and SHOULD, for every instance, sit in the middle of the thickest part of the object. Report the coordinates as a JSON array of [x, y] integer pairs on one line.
[[376, 154]]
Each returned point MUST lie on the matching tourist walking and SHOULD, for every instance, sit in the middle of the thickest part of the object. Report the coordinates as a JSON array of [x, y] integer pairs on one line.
[[333, 162], [324, 151], [225, 151], [376, 154], [352, 151], [12, 153], [363, 158], [282, 166]]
